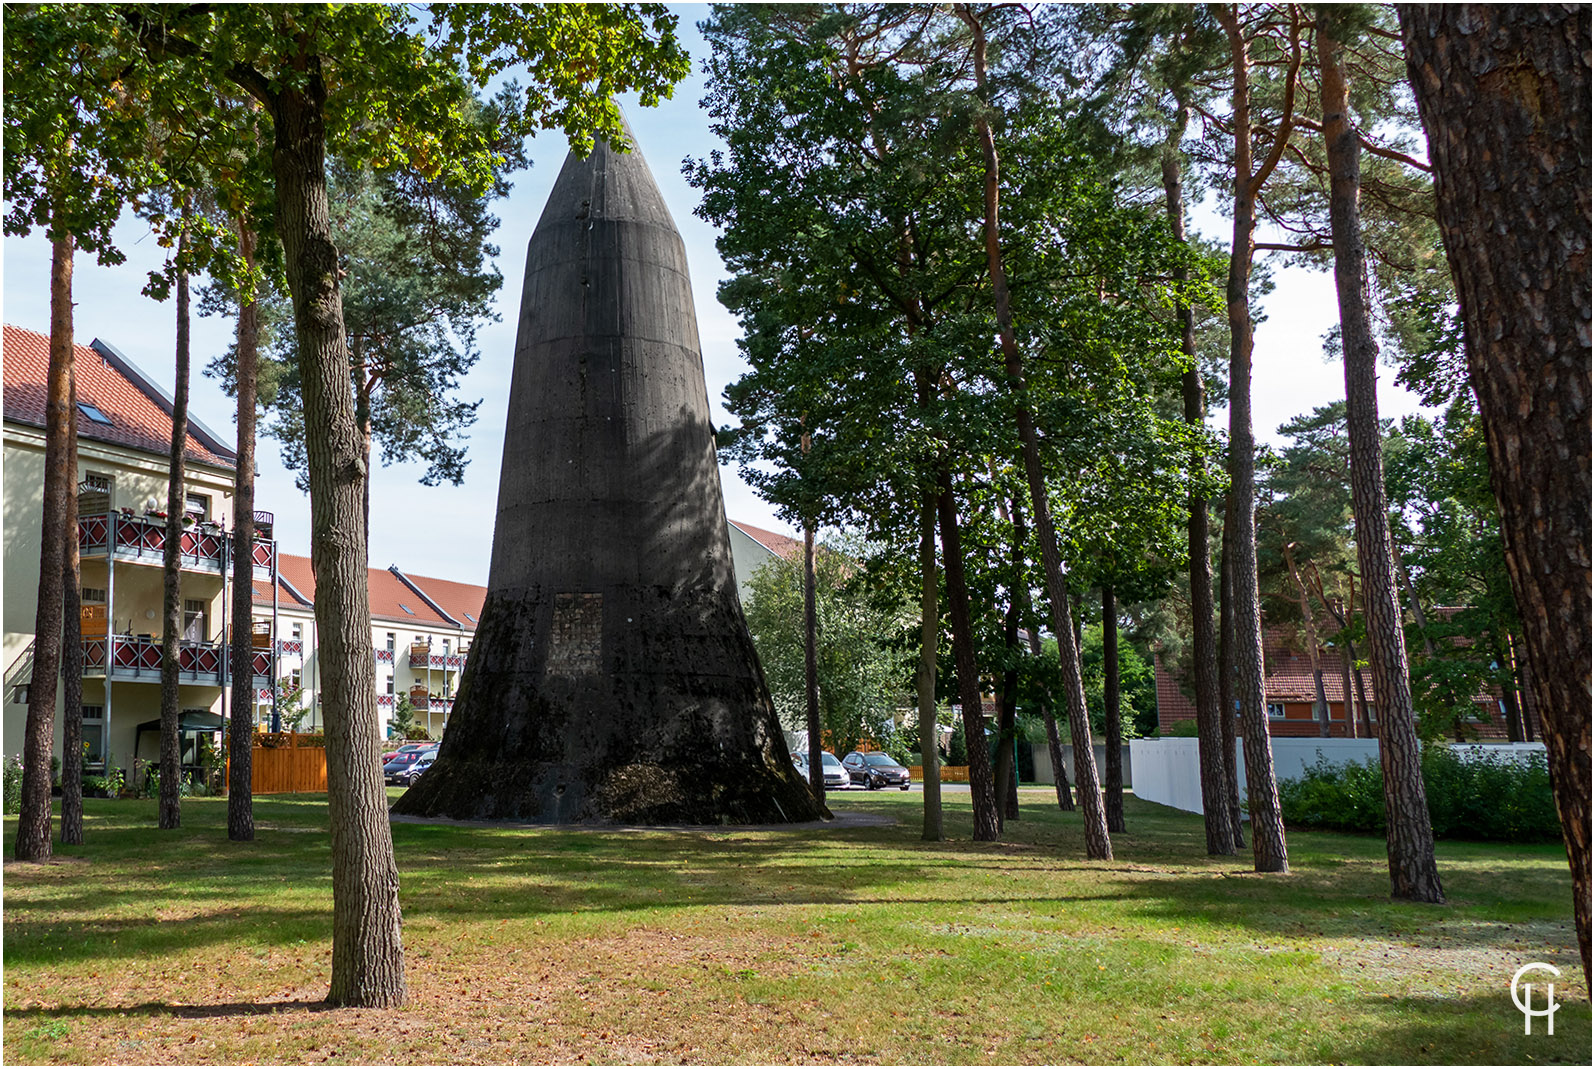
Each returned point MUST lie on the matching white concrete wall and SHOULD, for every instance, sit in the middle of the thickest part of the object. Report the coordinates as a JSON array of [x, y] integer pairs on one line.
[[1044, 761], [1168, 771]]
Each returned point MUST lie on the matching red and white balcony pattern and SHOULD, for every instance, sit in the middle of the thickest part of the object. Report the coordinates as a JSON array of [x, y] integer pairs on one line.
[[440, 662], [138, 657], [138, 538]]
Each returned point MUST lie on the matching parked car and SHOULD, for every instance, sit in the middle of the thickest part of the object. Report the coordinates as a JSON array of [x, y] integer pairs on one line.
[[875, 770], [403, 761], [835, 775], [409, 747], [406, 777]]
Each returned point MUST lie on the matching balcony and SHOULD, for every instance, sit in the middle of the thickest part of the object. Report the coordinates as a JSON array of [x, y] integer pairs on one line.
[[138, 658], [433, 705], [421, 656], [142, 539], [384, 656], [291, 647]]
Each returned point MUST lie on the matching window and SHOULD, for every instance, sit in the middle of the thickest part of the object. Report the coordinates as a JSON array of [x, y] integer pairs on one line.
[[94, 733], [1368, 708], [94, 493], [93, 595], [390, 686], [298, 631], [445, 647], [195, 627], [21, 695], [197, 505], [392, 639], [295, 679], [93, 413], [1276, 711], [406, 608]]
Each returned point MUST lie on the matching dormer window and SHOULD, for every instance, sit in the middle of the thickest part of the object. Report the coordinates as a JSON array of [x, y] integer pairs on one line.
[[93, 414]]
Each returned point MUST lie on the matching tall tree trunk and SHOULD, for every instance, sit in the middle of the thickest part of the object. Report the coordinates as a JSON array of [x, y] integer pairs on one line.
[[1362, 697], [367, 951], [1409, 836], [982, 797], [1268, 824], [169, 808], [1226, 675], [1209, 714], [33, 822], [1060, 774], [1504, 95], [1310, 621], [241, 724], [1510, 712], [1007, 736], [1521, 685], [811, 668], [1348, 705], [1113, 772], [1007, 703], [925, 672], [72, 644], [1098, 843]]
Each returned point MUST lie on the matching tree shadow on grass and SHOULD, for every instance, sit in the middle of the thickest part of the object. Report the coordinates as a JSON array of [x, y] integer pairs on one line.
[[1436, 1029], [179, 1010]]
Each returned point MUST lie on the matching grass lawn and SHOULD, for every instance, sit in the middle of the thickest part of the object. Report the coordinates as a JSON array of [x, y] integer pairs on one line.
[[858, 944]]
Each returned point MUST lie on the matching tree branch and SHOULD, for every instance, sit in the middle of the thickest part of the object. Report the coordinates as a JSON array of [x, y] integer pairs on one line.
[[1286, 112]]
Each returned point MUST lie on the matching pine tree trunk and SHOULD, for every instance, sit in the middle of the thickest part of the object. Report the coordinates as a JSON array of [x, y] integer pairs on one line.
[[925, 673], [1113, 771], [1209, 713], [1409, 836], [1310, 621], [1098, 844], [1226, 675], [33, 822], [169, 808], [367, 951], [241, 724], [1268, 825], [811, 668], [1060, 774], [982, 797], [1349, 705], [1007, 757], [72, 646], [1504, 95]]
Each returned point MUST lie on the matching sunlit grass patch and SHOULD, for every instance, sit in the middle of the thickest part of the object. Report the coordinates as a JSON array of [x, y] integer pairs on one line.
[[735, 945]]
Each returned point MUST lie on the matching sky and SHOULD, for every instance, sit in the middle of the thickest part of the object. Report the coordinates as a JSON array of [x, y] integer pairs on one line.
[[446, 531]]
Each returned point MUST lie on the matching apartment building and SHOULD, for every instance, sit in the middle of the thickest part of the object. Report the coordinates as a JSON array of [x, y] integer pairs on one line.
[[124, 424], [421, 630]]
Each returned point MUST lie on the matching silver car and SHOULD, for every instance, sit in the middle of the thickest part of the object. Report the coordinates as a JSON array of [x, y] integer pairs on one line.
[[836, 777]]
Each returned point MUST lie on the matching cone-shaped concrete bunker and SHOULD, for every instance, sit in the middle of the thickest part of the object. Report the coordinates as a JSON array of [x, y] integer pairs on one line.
[[612, 678]]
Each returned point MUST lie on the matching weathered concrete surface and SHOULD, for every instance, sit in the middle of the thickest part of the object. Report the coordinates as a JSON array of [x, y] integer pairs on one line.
[[612, 678]]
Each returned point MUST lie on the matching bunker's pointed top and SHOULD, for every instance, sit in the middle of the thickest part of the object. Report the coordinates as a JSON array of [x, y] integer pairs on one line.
[[608, 184]]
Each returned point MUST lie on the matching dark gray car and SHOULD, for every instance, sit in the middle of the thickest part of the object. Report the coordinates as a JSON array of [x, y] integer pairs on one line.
[[874, 770]]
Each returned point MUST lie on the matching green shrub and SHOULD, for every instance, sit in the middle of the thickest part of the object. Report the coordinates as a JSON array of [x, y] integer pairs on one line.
[[1506, 798], [1182, 729], [13, 784]]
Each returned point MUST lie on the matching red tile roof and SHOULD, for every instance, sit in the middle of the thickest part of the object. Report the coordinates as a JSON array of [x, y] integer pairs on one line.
[[390, 598], [463, 601], [123, 393], [779, 544]]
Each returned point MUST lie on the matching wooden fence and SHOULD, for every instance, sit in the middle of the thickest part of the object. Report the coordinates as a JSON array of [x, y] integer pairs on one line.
[[949, 773], [291, 769]]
